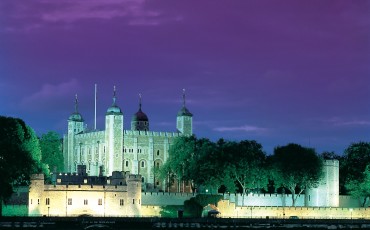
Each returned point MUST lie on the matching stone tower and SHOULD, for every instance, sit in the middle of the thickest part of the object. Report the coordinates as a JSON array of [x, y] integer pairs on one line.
[[35, 196], [75, 126], [113, 150], [327, 193], [133, 195], [184, 122]]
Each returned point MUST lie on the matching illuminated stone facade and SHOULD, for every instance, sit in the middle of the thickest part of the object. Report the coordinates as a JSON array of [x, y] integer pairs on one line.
[[111, 199], [136, 151]]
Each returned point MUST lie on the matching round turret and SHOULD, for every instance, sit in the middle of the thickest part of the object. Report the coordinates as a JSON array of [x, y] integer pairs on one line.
[[140, 120], [114, 109], [75, 117]]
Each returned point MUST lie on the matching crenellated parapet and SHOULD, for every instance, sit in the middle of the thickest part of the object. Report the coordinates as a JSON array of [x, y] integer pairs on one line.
[[151, 133]]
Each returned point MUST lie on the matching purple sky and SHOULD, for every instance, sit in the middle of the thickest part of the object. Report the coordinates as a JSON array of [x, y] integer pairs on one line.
[[273, 71]]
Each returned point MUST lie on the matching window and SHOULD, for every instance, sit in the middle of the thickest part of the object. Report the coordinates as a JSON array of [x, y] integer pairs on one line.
[[139, 201], [86, 202], [142, 164], [157, 183], [133, 201], [38, 201], [157, 152], [47, 201], [126, 163], [100, 201], [31, 201], [142, 179], [121, 202], [157, 164], [69, 201]]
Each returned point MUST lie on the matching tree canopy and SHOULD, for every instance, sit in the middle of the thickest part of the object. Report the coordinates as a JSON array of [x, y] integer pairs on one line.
[[51, 150], [20, 154], [210, 165], [355, 169], [296, 167]]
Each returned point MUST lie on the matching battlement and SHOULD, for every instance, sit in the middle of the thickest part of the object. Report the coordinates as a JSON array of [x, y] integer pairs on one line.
[[133, 177], [151, 133], [89, 188], [332, 163]]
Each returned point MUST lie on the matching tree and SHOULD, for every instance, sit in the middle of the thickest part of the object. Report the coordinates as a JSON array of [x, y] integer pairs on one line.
[[20, 155], [296, 167], [180, 163], [330, 156], [361, 188], [51, 150], [355, 160], [246, 165], [208, 166]]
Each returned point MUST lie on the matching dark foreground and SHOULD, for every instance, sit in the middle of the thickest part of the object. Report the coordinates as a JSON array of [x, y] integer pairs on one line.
[[91, 223]]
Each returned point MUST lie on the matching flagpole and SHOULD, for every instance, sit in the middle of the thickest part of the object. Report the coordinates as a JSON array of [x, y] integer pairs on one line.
[[96, 89]]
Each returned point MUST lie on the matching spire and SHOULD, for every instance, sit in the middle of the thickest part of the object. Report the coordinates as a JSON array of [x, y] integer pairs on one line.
[[184, 111], [183, 97], [76, 104], [114, 96], [139, 101]]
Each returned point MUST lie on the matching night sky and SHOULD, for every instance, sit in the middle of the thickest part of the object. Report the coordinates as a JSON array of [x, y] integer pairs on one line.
[[273, 71]]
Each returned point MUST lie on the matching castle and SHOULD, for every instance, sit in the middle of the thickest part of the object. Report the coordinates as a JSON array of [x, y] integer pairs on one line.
[[137, 151]]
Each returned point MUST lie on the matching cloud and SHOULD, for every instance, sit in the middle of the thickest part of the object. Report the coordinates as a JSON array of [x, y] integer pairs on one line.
[[37, 14], [50, 94], [244, 128], [354, 122]]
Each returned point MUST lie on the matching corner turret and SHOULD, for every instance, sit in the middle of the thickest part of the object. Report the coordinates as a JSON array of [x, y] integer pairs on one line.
[[114, 137], [140, 121], [184, 122]]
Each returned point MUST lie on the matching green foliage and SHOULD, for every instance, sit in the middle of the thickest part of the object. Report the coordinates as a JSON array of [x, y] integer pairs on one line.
[[170, 211], [19, 154], [330, 156], [206, 199], [246, 164], [194, 206], [354, 169], [51, 150], [211, 165], [296, 167]]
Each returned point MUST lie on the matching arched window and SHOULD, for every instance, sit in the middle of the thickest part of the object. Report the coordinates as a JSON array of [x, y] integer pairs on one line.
[[142, 164], [142, 179], [126, 163]]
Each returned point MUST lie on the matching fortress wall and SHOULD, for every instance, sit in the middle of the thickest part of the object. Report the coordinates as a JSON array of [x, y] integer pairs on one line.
[[265, 199], [276, 200], [163, 199], [228, 209]]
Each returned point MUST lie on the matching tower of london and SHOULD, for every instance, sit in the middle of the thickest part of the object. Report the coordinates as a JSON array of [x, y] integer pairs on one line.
[[116, 148]]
